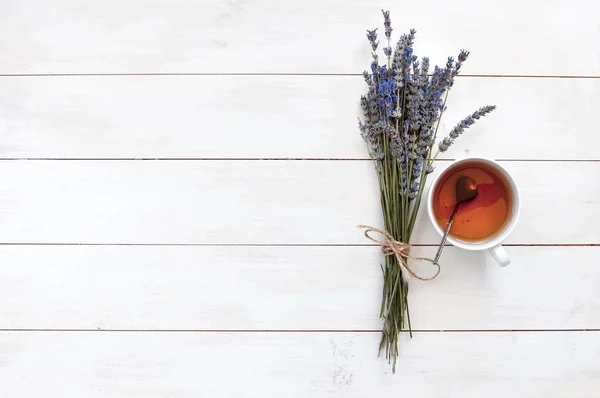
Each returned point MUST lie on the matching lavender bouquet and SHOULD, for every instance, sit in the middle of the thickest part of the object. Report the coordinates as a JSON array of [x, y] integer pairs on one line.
[[402, 110]]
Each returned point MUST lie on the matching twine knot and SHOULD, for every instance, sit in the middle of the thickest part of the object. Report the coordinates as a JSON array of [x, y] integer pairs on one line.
[[401, 250]]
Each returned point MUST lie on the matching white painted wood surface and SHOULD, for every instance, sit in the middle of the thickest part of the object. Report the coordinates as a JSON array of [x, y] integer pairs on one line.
[[253, 202], [124, 365], [288, 288], [534, 37], [224, 275], [276, 117]]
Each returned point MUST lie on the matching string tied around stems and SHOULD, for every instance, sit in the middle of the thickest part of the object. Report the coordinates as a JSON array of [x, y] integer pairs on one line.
[[401, 250]]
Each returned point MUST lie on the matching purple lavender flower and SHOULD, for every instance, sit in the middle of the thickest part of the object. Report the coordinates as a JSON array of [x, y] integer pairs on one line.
[[372, 36], [403, 104], [404, 186], [461, 126], [483, 111], [415, 66], [403, 57], [387, 50], [445, 144], [387, 23], [397, 147], [414, 190], [424, 66], [384, 127], [464, 124], [462, 57], [405, 138], [417, 167], [386, 92]]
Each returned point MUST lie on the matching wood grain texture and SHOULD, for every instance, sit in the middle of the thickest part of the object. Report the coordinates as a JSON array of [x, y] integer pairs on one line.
[[276, 117], [289, 288], [252, 202], [297, 314], [268, 36], [130, 365]]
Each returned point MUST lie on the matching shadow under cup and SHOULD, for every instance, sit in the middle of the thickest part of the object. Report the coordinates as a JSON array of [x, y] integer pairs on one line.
[[484, 221]]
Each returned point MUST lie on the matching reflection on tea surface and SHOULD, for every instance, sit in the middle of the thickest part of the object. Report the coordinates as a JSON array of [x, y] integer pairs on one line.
[[481, 217]]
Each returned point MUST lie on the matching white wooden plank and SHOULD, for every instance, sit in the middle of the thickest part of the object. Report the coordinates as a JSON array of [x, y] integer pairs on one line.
[[288, 288], [268, 36], [276, 117], [241, 202], [495, 365]]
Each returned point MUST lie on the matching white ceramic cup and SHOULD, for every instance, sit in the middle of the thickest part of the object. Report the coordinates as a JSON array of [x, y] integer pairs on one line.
[[492, 244]]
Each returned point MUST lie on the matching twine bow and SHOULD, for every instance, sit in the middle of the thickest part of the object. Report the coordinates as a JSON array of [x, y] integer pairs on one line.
[[390, 246]]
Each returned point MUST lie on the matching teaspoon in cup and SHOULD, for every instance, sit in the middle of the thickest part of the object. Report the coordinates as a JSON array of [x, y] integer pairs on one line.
[[466, 190]]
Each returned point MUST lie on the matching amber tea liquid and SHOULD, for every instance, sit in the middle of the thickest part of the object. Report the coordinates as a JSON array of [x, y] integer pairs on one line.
[[482, 217]]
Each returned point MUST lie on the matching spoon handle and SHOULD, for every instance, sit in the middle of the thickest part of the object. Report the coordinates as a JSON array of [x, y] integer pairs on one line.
[[443, 242]]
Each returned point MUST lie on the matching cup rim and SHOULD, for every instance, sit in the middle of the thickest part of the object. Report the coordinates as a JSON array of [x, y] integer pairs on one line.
[[497, 239]]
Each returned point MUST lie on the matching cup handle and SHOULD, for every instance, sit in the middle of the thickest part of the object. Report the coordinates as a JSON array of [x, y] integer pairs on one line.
[[500, 255]]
